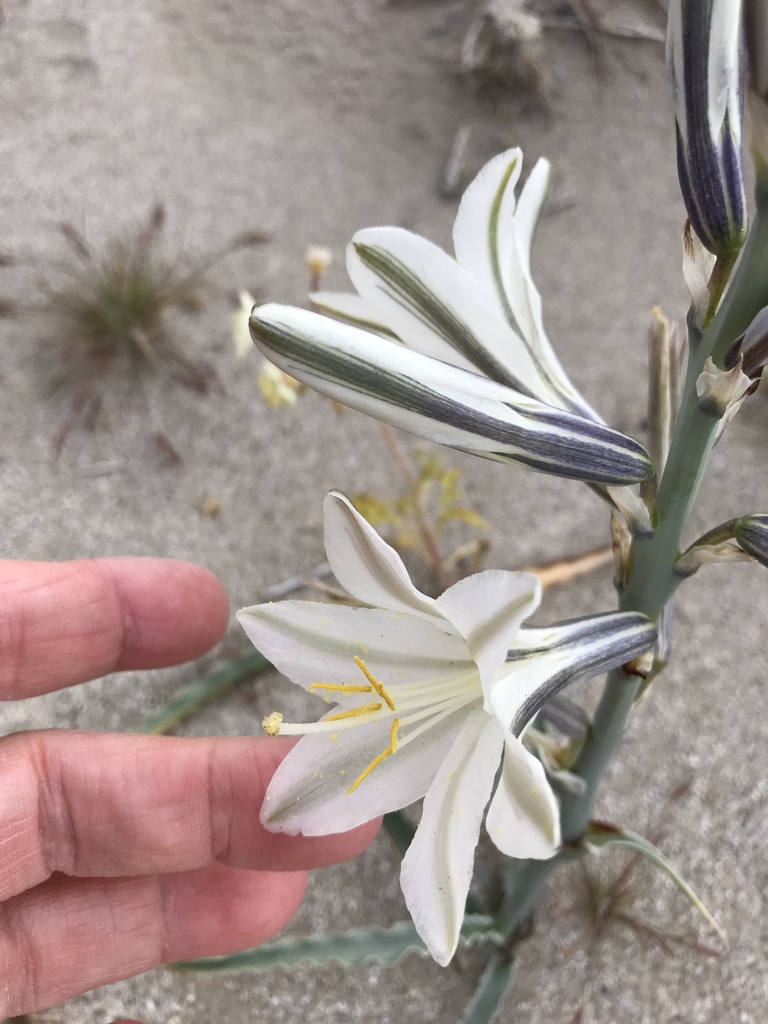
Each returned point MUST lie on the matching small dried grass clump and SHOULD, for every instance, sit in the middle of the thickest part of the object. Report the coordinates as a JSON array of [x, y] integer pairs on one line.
[[111, 310]]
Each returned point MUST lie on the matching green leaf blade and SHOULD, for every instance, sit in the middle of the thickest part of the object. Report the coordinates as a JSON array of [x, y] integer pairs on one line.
[[601, 835], [350, 949], [496, 980]]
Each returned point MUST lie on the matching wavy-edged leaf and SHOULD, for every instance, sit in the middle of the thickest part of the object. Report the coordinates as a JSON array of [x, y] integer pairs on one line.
[[350, 949], [599, 834], [496, 980], [443, 403]]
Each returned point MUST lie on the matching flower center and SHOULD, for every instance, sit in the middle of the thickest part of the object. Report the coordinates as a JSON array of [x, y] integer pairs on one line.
[[427, 702]]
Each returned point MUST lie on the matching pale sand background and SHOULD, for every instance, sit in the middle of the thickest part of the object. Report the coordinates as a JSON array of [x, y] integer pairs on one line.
[[311, 120]]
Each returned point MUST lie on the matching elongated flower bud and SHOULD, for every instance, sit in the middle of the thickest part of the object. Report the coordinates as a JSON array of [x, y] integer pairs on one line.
[[706, 59], [756, 35]]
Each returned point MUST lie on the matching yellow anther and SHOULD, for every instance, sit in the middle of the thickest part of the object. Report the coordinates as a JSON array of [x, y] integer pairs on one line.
[[391, 749], [366, 709], [271, 724], [341, 687], [378, 687]]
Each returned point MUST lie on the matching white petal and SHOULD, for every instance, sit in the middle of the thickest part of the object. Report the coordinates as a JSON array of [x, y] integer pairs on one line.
[[543, 660], [367, 566], [435, 307], [493, 241], [532, 197], [442, 402], [437, 869], [513, 698], [312, 642], [351, 309], [525, 304], [309, 791], [487, 609], [524, 819], [484, 226]]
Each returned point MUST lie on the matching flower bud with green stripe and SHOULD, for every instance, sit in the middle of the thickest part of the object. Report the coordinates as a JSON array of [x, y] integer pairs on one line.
[[752, 534], [455, 349], [431, 698], [706, 59]]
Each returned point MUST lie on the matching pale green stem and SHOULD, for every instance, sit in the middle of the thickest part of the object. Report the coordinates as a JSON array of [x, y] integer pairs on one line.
[[652, 579]]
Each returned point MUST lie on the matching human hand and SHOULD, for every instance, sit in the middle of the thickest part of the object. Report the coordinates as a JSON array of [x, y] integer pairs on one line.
[[121, 852]]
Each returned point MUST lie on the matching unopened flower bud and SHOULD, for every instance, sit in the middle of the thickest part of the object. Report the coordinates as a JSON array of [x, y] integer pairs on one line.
[[706, 59], [756, 36], [752, 534]]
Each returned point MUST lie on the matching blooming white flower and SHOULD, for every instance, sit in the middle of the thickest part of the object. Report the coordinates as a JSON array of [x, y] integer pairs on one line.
[[489, 285], [430, 694], [455, 349]]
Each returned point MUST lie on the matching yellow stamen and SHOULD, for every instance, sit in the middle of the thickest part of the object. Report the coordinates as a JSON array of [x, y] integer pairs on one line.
[[342, 687], [271, 724], [391, 749], [366, 709], [378, 687]]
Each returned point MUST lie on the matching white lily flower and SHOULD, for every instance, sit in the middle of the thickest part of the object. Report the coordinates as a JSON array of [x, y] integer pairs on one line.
[[430, 694], [411, 289], [455, 349]]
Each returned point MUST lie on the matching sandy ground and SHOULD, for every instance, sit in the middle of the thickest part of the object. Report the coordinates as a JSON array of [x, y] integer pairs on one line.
[[310, 120]]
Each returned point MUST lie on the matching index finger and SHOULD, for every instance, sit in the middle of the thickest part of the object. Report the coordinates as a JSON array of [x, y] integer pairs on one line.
[[63, 623]]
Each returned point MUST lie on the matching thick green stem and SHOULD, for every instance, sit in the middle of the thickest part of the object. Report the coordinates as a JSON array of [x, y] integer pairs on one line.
[[652, 578], [651, 584]]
